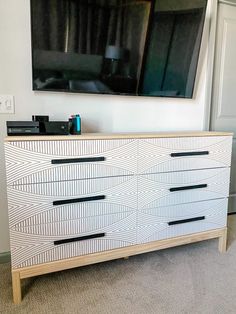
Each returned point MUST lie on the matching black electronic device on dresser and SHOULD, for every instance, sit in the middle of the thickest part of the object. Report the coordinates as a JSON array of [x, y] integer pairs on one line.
[[56, 128], [39, 126], [23, 128]]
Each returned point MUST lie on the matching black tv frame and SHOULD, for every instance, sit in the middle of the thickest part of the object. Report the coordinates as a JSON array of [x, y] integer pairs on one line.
[[147, 41]]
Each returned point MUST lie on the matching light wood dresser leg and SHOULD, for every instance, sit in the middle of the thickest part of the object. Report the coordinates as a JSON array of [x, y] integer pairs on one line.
[[16, 287], [223, 242]]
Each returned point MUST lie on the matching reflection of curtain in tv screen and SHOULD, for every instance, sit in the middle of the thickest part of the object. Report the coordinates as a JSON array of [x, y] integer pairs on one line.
[[89, 26], [83, 26], [70, 25], [49, 24]]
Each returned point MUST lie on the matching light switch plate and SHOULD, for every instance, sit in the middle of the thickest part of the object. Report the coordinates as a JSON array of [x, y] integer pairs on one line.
[[7, 104]]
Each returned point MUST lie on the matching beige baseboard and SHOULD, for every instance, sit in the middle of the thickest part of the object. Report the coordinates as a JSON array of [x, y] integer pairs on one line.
[[5, 257]]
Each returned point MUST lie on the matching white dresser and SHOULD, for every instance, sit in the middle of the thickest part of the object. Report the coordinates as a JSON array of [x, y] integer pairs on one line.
[[78, 200]]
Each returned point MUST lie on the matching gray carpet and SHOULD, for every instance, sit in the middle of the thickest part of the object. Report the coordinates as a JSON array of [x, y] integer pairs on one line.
[[194, 278]]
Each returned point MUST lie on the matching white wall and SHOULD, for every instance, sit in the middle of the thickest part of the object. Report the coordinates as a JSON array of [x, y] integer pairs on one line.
[[99, 113]]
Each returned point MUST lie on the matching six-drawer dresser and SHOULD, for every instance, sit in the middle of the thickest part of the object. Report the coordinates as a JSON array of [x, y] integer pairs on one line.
[[78, 200]]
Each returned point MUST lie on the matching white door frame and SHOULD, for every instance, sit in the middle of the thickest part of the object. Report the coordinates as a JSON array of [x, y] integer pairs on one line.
[[211, 59], [213, 110], [212, 28]]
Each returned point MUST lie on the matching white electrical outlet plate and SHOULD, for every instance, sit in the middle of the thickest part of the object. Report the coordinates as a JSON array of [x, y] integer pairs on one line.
[[7, 104]]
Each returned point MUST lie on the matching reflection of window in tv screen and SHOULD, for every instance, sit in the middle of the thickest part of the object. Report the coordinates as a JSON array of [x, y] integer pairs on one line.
[[128, 47]]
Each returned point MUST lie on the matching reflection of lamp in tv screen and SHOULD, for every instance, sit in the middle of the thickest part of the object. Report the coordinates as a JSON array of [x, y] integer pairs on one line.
[[114, 53], [146, 48]]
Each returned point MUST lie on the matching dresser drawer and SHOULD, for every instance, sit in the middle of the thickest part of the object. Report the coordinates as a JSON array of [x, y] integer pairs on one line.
[[74, 219], [172, 188], [186, 153], [32, 246], [85, 197], [30, 162], [173, 221]]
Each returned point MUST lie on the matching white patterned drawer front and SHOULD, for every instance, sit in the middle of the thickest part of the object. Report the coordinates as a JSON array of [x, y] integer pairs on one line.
[[26, 201], [72, 218], [176, 154], [173, 221], [69, 198], [30, 162], [172, 188], [37, 244]]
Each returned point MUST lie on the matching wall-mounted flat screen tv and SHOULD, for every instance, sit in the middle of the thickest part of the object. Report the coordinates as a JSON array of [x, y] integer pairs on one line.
[[127, 47]]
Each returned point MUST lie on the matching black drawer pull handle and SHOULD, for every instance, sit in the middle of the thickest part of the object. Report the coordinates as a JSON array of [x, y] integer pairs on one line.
[[77, 160], [191, 187], [184, 154], [80, 200], [184, 221], [88, 237]]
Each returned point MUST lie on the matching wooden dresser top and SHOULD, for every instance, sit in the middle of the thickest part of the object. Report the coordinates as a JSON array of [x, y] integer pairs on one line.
[[94, 136]]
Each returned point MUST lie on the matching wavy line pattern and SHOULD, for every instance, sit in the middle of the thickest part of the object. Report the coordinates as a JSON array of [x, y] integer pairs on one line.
[[155, 154], [30, 162], [154, 189], [135, 178], [153, 225]]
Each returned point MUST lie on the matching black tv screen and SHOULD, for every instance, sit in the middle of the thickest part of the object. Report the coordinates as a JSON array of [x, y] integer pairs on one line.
[[127, 47]]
